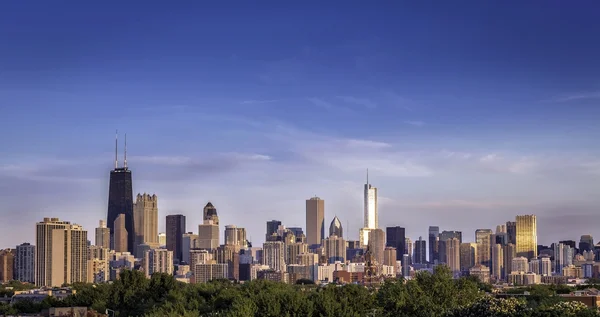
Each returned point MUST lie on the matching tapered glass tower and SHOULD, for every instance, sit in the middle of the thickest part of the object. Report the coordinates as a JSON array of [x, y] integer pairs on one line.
[[120, 200]]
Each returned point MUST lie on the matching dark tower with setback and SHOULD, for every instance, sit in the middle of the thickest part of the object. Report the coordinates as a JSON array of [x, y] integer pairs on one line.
[[120, 200]]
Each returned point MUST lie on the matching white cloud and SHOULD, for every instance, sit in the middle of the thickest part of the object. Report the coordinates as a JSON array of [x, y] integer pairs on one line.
[[367, 103], [254, 102]]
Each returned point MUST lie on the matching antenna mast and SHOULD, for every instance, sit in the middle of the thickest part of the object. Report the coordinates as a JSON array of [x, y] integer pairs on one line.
[[116, 148], [367, 176], [125, 163]]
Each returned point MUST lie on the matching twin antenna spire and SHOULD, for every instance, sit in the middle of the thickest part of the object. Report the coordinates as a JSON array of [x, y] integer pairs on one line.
[[117, 150]]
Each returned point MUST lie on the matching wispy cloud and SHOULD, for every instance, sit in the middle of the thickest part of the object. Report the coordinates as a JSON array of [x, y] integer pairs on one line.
[[321, 103], [577, 96], [255, 102], [367, 103], [415, 123]]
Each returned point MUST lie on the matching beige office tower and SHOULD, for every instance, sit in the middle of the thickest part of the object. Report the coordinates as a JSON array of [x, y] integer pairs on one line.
[[497, 261], [208, 235], [145, 219], [103, 235], [210, 213], [274, 255], [468, 256], [510, 252], [230, 255], [377, 244], [484, 253], [200, 257], [162, 239], [389, 256], [315, 220], [335, 249], [293, 250], [236, 236], [158, 261], [62, 253], [7, 265], [120, 234], [527, 236], [453, 254]]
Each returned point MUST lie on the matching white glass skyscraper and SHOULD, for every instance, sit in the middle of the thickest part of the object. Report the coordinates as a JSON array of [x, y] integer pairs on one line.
[[371, 219]]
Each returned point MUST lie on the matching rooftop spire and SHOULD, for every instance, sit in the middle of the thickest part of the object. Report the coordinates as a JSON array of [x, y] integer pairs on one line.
[[367, 176], [116, 148], [125, 162]]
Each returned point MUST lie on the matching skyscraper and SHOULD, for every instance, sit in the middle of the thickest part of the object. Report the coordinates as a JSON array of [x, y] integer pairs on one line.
[[586, 243], [25, 263], [315, 220], [235, 236], [420, 251], [335, 249], [395, 237], [468, 256], [453, 254], [371, 218], [497, 261], [175, 231], [7, 264], [120, 200], [158, 261], [408, 249], [483, 239], [434, 232], [272, 227], [103, 235], [511, 232], [208, 236], [210, 213], [526, 236], [61, 254], [274, 255], [145, 212], [120, 238], [377, 244], [335, 228]]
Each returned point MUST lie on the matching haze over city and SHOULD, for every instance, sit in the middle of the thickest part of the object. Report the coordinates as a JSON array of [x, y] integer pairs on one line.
[[464, 120]]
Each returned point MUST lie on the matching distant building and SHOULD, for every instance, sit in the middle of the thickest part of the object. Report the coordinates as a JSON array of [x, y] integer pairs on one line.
[[377, 244], [395, 237], [586, 243], [420, 251], [272, 227], [480, 271], [230, 255], [511, 232], [145, 214], [121, 236], [497, 262], [25, 263], [210, 214], [483, 239], [103, 235], [7, 264], [434, 232], [468, 256], [210, 271], [274, 255], [158, 261], [162, 239], [520, 264], [389, 256], [335, 228], [526, 236], [453, 254], [335, 249], [120, 202], [175, 230], [315, 220], [236, 236]]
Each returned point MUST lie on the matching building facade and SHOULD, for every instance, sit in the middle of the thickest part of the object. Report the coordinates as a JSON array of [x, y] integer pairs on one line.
[[158, 261], [175, 230], [145, 212], [395, 237], [120, 200], [25, 263], [526, 227], [315, 220], [102, 235]]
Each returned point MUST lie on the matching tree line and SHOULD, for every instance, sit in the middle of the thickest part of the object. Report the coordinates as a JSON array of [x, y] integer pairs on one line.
[[434, 294]]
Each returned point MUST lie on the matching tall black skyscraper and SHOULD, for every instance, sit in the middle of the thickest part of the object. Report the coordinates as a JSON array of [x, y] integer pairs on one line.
[[175, 231], [395, 237], [511, 232], [420, 251], [120, 200], [271, 229]]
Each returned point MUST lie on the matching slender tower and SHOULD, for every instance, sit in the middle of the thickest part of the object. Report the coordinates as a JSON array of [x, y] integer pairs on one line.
[[120, 200]]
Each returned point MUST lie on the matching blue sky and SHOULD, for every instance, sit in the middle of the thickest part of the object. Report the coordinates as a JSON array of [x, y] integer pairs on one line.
[[466, 114]]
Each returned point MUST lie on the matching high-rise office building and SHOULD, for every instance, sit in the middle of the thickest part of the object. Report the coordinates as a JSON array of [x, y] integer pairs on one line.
[[443, 237], [468, 256], [120, 237], [272, 227], [434, 232], [25, 263], [293, 250], [483, 239], [335, 228], [371, 217], [103, 235], [520, 264], [390, 256], [545, 266], [511, 232], [586, 243], [61, 253], [162, 239], [453, 254], [497, 261], [235, 236], [315, 220], [120, 200], [510, 252], [377, 244], [230, 255], [420, 251], [208, 236], [274, 255], [527, 236], [405, 266], [7, 264], [158, 261], [563, 256], [210, 214], [145, 215], [395, 237], [408, 249], [175, 231], [335, 249], [189, 242]]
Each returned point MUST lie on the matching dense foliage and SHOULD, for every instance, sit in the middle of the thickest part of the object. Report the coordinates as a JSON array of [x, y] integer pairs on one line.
[[427, 295]]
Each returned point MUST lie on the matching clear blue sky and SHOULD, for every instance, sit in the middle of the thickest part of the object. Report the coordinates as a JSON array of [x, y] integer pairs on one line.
[[465, 113]]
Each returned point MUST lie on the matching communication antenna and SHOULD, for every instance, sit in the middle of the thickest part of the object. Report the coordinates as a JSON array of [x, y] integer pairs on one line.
[[125, 163], [116, 148]]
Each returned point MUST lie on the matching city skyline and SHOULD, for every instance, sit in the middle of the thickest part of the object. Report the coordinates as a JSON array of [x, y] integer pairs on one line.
[[462, 124]]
